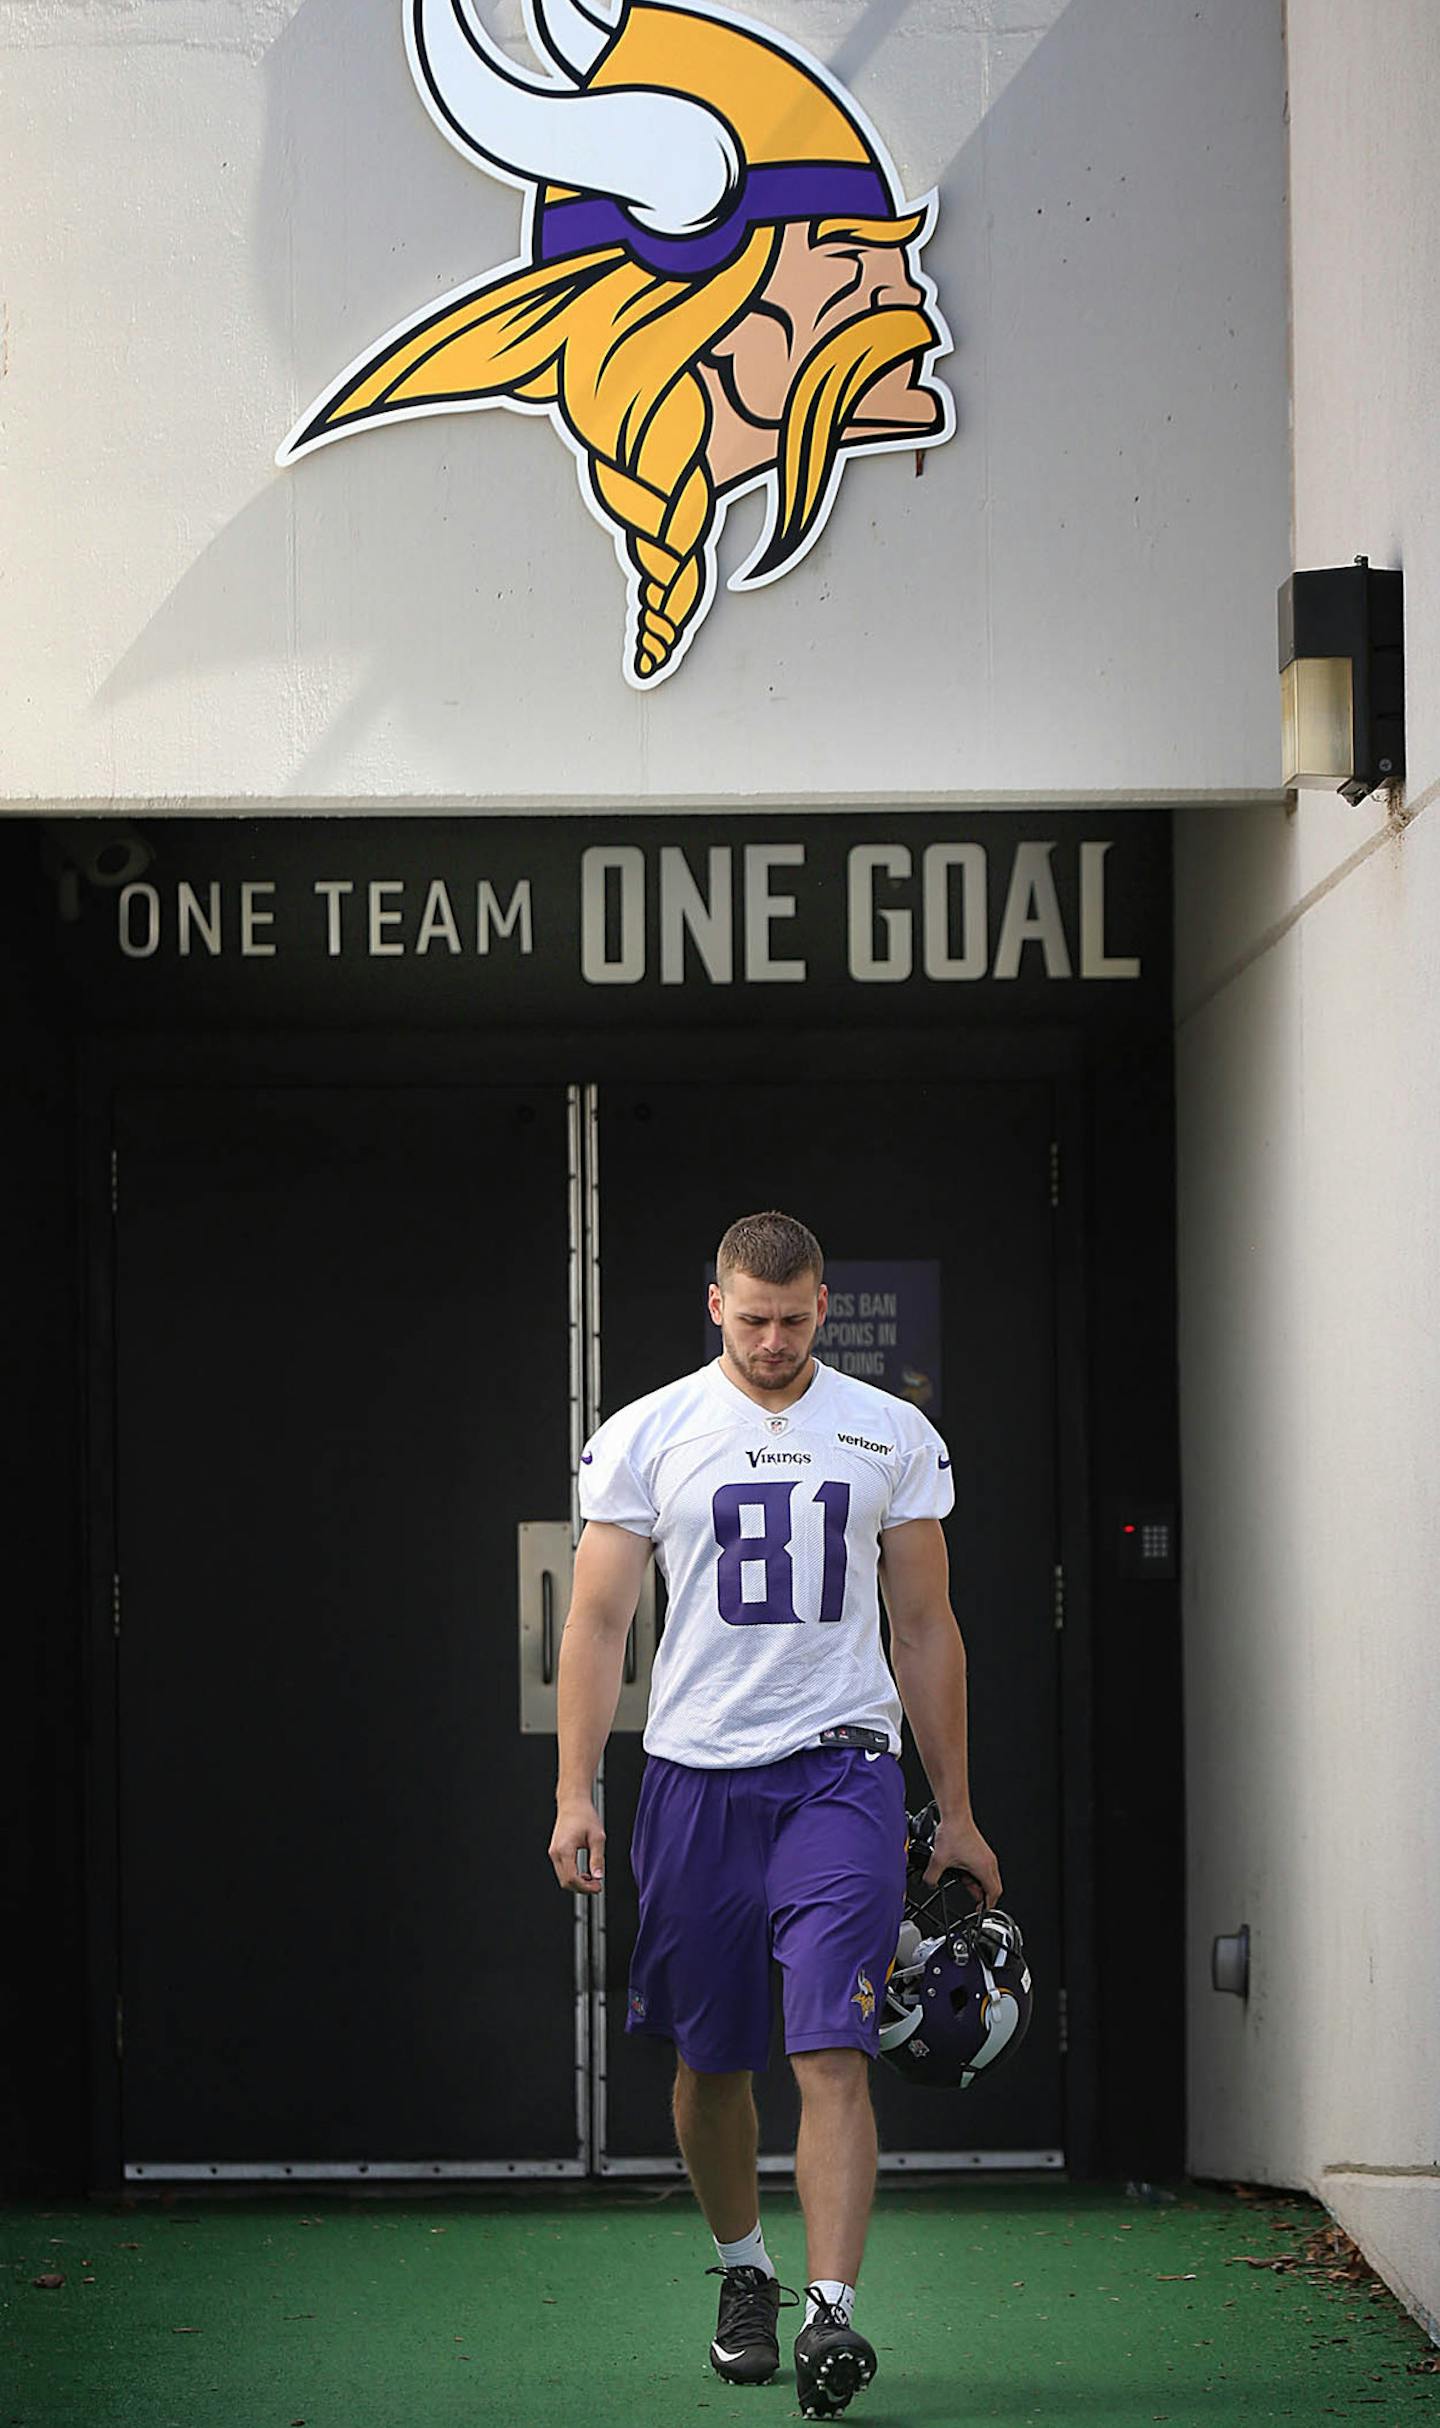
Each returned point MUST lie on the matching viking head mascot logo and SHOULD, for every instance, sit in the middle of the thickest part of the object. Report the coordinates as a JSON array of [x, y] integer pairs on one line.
[[719, 291]]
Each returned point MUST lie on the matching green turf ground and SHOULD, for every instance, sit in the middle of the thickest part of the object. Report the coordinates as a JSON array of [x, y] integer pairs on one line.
[[987, 2302]]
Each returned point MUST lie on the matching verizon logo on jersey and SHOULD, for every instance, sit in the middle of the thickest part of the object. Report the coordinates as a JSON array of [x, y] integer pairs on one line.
[[857, 1441], [779, 1458]]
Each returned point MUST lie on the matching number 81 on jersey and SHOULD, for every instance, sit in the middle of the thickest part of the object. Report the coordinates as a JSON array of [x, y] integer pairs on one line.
[[755, 1574]]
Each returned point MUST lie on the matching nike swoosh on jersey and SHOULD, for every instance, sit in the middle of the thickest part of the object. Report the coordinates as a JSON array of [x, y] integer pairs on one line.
[[587, 1458], [944, 1462]]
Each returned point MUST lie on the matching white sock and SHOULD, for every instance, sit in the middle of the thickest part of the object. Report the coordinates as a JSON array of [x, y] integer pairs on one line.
[[749, 2252], [829, 2289]]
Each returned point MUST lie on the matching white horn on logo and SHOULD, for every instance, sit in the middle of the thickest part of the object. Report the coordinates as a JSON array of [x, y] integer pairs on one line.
[[669, 158], [572, 34]]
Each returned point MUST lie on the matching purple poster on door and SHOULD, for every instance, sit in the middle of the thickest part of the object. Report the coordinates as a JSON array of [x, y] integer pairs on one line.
[[883, 1324]]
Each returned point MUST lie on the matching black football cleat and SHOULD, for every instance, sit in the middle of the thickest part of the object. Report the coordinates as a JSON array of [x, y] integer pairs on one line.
[[746, 2349], [832, 2362]]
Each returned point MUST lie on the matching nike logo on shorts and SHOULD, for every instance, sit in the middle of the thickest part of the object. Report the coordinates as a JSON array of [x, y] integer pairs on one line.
[[872, 1757]]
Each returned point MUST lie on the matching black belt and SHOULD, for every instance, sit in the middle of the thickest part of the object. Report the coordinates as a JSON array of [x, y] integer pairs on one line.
[[874, 1740]]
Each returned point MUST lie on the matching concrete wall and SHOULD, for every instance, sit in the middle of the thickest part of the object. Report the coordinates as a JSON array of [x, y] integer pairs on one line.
[[213, 205], [1308, 1006]]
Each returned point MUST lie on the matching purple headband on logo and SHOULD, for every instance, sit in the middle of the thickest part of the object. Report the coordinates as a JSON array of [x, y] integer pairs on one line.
[[787, 189]]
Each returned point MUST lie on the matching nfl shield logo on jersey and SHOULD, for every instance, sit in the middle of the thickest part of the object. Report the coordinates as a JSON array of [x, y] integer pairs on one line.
[[777, 1424]]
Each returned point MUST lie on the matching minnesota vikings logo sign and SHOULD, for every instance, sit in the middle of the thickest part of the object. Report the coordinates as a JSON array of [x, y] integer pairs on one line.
[[719, 288]]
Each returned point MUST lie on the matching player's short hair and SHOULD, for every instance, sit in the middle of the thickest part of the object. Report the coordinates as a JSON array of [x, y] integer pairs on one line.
[[769, 1247]]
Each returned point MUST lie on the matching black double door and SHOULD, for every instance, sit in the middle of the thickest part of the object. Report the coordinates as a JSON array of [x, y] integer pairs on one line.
[[348, 1367]]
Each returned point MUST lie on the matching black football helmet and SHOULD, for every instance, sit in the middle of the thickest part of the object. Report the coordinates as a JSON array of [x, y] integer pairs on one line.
[[958, 1996]]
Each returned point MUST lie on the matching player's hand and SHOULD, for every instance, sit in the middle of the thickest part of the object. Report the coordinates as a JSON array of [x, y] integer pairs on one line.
[[959, 1844], [579, 1830]]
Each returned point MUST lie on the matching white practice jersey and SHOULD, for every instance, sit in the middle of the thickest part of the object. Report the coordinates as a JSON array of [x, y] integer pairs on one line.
[[767, 1532]]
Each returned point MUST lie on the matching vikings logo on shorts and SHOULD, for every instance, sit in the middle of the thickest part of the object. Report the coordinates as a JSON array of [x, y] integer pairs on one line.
[[719, 288], [864, 1998]]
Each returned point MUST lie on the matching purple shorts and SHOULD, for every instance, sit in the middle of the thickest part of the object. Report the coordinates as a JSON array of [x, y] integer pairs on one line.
[[802, 1860]]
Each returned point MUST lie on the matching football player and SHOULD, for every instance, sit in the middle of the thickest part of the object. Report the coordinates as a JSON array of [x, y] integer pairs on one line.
[[773, 1492]]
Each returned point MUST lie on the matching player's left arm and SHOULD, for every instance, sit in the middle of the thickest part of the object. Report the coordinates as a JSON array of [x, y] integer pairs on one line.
[[928, 1654]]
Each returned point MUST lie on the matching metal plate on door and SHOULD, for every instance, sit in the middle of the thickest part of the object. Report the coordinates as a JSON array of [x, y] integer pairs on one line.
[[546, 1562]]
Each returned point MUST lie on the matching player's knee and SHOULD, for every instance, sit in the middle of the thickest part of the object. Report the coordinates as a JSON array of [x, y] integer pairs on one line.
[[831, 2073]]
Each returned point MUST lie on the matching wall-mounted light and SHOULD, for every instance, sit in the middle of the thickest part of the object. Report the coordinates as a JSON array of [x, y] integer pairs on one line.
[[1342, 678]]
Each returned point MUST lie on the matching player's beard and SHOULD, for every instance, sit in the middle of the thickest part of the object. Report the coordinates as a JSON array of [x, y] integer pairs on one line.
[[763, 1375], [827, 391]]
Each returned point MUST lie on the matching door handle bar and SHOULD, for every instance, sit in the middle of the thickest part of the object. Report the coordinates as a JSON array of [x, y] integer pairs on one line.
[[544, 1574], [547, 1628]]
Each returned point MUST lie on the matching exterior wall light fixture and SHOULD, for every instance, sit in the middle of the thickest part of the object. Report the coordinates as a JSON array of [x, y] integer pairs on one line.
[[1342, 679]]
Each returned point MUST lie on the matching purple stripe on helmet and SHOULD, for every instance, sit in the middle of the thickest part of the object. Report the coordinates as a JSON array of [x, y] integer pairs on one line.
[[787, 189]]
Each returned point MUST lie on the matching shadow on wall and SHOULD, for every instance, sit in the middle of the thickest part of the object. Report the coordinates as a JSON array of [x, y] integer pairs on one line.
[[387, 566], [386, 586]]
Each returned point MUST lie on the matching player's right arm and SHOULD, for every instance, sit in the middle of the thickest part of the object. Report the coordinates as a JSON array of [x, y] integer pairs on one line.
[[609, 1572]]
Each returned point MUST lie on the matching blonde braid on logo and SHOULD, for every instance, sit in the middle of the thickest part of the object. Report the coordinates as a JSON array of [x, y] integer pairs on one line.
[[665, 526], [630, 391]]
